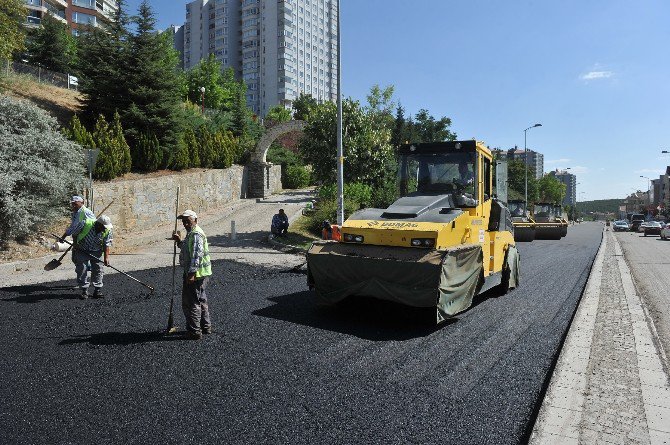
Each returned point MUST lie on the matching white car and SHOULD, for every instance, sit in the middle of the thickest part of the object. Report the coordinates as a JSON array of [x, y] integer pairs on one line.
[[665, 231]]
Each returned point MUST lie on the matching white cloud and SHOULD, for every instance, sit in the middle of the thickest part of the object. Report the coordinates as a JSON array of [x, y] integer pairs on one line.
[[654, 171], [578, 169], [596, 75], [557, 161]]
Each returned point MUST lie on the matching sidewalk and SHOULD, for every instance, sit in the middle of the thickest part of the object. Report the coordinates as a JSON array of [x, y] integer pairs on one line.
[[610, 384], [150, 249]]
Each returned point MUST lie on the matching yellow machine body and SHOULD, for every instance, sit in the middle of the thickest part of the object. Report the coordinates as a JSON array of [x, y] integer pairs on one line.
[[430, 248]]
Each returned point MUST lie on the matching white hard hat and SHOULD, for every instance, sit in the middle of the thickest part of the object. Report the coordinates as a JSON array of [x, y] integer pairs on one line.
[[187, 214], [105, 221]]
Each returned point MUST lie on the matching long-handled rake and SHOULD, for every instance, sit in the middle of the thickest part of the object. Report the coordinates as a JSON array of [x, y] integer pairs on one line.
[[100, 261], [51, 265], [171, 328]]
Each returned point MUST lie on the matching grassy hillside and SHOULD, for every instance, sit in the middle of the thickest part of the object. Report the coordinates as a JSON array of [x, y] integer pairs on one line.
[[59, 102]]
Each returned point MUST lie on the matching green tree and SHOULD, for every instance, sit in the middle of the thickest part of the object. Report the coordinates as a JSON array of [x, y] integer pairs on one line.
[[181, 160], [303, 106], [240, 111], [151, 155], [207, 73], [551, 189], [206, 150], [104, 66], [367, 147], [191, 142], [428, 129], [52, 46], [77, 132], [122, 148], [12, 17], [277, 114], [380, 105], [516, 181], [399, 133], [107, 165], [154, 86]]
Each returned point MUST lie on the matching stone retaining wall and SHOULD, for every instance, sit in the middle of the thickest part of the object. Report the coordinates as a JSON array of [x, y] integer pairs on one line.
[[140, 204]]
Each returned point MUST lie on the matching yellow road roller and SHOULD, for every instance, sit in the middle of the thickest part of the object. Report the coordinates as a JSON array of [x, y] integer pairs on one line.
[[445, 240], [561, 216], [524, 225], [547, 226]]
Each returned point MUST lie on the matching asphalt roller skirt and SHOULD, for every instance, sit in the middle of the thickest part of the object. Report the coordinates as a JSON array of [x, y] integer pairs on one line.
[[445, 279]]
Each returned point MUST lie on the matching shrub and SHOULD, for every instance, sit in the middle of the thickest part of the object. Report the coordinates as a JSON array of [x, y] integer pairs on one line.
[[107, 165], [295, 176], [191, 142], [355, 192], [39, 169], [327, 210], [150, 153]]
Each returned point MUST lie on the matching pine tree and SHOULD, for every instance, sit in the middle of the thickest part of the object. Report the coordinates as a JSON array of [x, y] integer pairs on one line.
[[103, 64], [12, 30], [193, 150], [181, 161], [399, 128], [154, 84], [52, 46], [150, 151], [77, 132], [123, 150], [206, 149], [240, 110], [106, 167]]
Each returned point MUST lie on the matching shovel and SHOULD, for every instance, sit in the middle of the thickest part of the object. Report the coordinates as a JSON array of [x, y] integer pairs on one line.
[[51, 265]]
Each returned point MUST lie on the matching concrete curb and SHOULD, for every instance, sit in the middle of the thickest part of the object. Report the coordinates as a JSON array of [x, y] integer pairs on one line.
[[286, 248]]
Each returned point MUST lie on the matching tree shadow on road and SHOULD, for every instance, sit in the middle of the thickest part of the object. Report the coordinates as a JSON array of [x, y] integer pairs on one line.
[[37, 292], [363, 317], [124, 338]]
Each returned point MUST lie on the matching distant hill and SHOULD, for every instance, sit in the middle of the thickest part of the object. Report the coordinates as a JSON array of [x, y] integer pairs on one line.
[[600, 205]]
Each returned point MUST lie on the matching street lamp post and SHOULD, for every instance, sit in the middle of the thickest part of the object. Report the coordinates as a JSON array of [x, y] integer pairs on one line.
[[340, 149], [648, 193], [525, 160], [202, 99]]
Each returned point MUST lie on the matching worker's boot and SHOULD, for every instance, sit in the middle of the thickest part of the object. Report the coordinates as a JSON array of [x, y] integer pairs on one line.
[[97, 293], [84, 294]]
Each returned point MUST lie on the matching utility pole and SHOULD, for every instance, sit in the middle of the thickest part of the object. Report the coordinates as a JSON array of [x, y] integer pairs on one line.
[[340, 150]]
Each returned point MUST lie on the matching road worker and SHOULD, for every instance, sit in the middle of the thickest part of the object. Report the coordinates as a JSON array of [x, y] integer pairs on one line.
[[79, 215], [93, 240], [194, 257]]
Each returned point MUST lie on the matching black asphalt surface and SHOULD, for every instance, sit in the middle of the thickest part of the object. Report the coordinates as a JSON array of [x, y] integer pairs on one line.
[[280, 369]]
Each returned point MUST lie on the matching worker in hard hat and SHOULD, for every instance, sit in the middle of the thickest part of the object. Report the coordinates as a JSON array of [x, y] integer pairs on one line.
[[94, 239], [194, 257], [79, 215]]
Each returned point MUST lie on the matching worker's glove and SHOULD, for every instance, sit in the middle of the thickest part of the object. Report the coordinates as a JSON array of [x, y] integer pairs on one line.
[[176, 235]]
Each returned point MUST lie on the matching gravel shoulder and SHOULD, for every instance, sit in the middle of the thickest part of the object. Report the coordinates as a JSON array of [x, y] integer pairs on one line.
[[150, 249]]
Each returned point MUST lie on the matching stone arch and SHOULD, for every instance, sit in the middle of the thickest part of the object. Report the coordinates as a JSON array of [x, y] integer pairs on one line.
[[260, 154], [259, 183]]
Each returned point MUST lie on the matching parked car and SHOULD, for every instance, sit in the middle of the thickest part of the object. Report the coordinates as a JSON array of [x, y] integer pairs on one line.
[[665, 231], [639, 228], [652, 228], [620, 226], [635, 224]]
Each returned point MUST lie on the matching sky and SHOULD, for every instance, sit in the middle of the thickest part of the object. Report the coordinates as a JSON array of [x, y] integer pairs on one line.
[[594, 73]]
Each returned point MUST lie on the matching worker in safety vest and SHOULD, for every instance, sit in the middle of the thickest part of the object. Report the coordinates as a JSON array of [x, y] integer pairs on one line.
[[79, 215], [194, 257], [330, 231], [93, 240]]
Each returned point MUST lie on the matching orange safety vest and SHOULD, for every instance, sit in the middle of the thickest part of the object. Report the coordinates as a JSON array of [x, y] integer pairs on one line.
[[333, 234]]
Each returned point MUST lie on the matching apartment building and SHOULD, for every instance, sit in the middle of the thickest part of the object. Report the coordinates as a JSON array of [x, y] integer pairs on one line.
[[570, 182], [281, 48], [535, 159], [75, 13]]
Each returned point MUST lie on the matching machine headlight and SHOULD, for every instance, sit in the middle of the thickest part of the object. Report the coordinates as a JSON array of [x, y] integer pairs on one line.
[[423, 242], [358, 238], [348, 237]]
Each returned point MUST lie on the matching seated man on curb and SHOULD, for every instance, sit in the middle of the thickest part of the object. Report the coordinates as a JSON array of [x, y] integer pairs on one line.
[[279, 225]]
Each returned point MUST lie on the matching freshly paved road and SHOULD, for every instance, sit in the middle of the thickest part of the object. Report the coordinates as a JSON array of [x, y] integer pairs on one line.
[[280, 369]]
